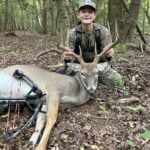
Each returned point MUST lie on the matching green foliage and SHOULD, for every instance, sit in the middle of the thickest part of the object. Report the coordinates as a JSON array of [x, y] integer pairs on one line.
[[82, 148], [146, 135], [143, 20], [123, 57], [131, 55], [117, 80], [126, 57], [1, 133], [126, 93], [120, 48], [103, 110], [25, 13], [135, 108], [130, 143]]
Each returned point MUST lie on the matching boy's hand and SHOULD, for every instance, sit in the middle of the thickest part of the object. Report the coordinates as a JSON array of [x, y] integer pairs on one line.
[[109, 53], [68, 55]]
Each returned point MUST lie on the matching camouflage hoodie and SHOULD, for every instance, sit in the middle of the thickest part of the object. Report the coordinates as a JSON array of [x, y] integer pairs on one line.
[[88, 40]]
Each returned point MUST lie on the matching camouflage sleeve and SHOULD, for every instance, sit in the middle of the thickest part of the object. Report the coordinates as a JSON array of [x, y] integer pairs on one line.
[[105, 40], [70, 40], [105, 37]]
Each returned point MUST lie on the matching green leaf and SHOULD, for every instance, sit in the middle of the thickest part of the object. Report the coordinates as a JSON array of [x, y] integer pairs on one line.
[[146, 134], [136, 108], [129, 142], [103, 110], [120, 48], [82, 148]]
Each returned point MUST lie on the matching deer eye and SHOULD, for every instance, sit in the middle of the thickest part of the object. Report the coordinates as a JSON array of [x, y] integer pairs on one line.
[[82, 73]]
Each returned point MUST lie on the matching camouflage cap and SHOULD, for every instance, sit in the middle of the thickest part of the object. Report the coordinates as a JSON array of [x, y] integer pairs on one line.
[[89, 3]]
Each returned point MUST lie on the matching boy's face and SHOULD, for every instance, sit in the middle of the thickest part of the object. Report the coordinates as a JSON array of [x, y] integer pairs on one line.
[[86, 15]]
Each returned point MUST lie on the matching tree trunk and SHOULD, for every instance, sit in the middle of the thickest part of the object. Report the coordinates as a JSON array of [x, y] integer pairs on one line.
[[72, 13], [6, 16], [112, 16], [148, 16], [38, 25], [52, 18], [131, 20], [13, 22], [45, 3], [126, 21], [116, 14], [1, 23], [64, 17]]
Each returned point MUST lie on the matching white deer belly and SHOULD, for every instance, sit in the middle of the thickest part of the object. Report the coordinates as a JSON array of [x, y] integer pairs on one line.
[[11, 87]]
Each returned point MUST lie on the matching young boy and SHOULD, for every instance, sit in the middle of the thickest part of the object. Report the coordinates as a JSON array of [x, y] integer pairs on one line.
[[86, 34]]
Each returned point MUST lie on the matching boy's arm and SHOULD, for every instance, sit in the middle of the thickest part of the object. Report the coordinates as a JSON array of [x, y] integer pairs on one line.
[[106, 39]]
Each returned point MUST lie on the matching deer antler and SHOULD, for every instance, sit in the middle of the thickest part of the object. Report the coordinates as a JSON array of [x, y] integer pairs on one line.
[[105, 49], [78, 57], [108, 47], [61, 46]]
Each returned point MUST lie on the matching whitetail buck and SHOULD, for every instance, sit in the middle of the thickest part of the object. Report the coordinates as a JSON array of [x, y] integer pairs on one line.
[[61, 90]]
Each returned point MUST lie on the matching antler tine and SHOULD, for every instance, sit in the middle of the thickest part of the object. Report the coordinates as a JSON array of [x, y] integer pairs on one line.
[[95, 49], [108, 47], [78, 57], [96, 56], [116, 29], [61, 46], [80, 51]]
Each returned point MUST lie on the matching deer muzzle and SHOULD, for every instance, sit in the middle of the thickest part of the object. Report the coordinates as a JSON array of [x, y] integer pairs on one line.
[[91, 91]]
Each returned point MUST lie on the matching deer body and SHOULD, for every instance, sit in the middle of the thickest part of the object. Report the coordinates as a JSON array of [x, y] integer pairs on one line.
[[72, 93]]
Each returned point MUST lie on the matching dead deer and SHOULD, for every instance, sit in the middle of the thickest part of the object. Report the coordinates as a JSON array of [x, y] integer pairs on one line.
[[61, 90]]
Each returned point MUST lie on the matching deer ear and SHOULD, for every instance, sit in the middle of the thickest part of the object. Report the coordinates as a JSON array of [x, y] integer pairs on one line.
[[102, 66]]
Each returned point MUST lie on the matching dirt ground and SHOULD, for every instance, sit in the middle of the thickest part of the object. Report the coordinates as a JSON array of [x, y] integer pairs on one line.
[[116, 119]]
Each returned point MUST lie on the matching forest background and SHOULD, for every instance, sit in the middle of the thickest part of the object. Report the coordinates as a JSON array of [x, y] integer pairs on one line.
[[46, 16]]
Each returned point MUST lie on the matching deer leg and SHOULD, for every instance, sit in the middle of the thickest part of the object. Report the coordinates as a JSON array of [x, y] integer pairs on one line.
[[52, 112], [40, 122]]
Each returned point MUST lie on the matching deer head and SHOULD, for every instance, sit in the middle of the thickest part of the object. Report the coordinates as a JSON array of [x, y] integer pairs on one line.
[[88, 72]]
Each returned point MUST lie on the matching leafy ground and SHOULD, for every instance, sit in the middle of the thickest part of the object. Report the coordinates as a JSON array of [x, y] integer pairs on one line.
[[116, 119]]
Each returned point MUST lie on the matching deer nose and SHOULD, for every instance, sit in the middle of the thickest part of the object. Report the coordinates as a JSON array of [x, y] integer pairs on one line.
[[91, 90]]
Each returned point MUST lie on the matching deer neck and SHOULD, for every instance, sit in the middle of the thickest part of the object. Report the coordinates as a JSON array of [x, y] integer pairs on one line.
[[82, 84], [78, 96]]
